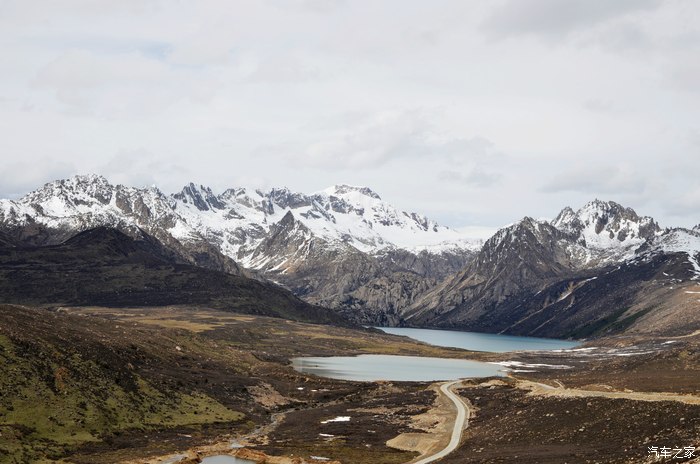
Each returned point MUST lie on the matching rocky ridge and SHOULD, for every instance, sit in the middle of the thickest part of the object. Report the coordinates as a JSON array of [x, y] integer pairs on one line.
[[537, 277], [347, 249], [338, 247]]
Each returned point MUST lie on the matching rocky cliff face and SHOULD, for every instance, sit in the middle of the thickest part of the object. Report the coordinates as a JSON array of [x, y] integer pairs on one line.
[[516, 259], [347, 249], [57, 211], [332, 247], [577, 275], [604, 231]]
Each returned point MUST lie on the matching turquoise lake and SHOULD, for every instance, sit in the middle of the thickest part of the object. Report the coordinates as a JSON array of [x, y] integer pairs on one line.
[[476, 341], [373, 367]]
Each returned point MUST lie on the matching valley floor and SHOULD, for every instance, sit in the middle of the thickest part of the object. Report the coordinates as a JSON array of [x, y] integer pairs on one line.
[[136, 385]]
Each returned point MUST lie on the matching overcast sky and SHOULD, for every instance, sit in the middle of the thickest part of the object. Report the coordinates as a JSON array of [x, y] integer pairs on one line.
[[471, 112]]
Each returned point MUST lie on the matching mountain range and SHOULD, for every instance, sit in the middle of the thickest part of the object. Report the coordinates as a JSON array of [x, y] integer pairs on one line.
[[343, 247], [597, 270], [601, 269]]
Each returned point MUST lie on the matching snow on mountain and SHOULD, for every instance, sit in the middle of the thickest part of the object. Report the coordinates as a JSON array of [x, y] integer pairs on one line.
[[236, 220], [239, 219], [597, 234], [374, 224], [89, 201], [230, 220], [682, 241], [605, 231]]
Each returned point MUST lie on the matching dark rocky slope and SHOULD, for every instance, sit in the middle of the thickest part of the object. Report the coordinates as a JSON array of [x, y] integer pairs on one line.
[[105, 267]]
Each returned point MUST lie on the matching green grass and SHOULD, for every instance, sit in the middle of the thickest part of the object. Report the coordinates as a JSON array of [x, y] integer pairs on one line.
[[50, 407], [598, 326], [611, 324], [622, 324]]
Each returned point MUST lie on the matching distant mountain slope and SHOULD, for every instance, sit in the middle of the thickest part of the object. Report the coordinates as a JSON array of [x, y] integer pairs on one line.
[[6, 240], [332, 230], [63, 208], [347, 249], [582, 274], [105, 267]]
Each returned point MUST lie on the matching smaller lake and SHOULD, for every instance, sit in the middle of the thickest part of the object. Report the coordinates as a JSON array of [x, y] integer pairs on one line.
[[372, 367], [223, 459], [494, 343]]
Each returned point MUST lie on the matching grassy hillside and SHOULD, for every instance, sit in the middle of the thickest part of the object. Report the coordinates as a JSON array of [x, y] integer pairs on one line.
[[121, 383], [67, 382]]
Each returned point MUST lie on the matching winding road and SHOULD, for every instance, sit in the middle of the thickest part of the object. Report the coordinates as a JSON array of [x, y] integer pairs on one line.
[[543, 389], [461, 421]]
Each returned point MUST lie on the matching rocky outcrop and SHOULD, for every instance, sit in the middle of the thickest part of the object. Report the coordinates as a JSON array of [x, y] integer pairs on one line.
[[332, 247], [516, 259], [576, 276]]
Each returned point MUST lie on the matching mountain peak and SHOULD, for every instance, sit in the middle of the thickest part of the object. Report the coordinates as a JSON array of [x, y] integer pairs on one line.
[[285, 198], [99, 234], [606, 225], [597, 211], [608, 207], [79, 189], [79, 181], [91, 178], [200, 196], [342, 189], [565, 216]]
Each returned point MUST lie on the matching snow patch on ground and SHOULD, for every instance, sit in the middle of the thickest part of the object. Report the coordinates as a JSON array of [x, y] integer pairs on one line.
[[519, 364], [337, 419], [575, 350]]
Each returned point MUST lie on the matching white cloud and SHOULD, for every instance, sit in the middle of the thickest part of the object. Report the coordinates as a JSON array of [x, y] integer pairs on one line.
[[554, 19], [77, 69], [597, 180], [20, 177], [370, 141], [124, 84], [431, 104], [477, 177], [280, 69]]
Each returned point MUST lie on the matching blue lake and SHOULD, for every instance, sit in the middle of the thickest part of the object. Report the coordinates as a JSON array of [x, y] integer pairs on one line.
[[494, 343], [372, 367]]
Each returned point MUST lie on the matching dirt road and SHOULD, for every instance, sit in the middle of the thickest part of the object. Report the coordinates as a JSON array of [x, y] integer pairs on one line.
[[538, 388], [461, 422]]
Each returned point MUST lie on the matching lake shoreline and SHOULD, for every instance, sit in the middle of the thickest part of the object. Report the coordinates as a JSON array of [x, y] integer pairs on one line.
[[480, 341]]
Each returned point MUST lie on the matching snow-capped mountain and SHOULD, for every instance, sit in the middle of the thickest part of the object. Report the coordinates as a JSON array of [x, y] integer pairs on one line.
[[681, 241], [62, 208], [285, 235], [602, 267], [237, 218], [608, 233], [604, 231], [534, 276], [341, 215]]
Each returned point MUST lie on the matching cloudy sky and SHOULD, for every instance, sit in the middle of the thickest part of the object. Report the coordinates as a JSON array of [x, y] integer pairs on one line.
[[474, 113]]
